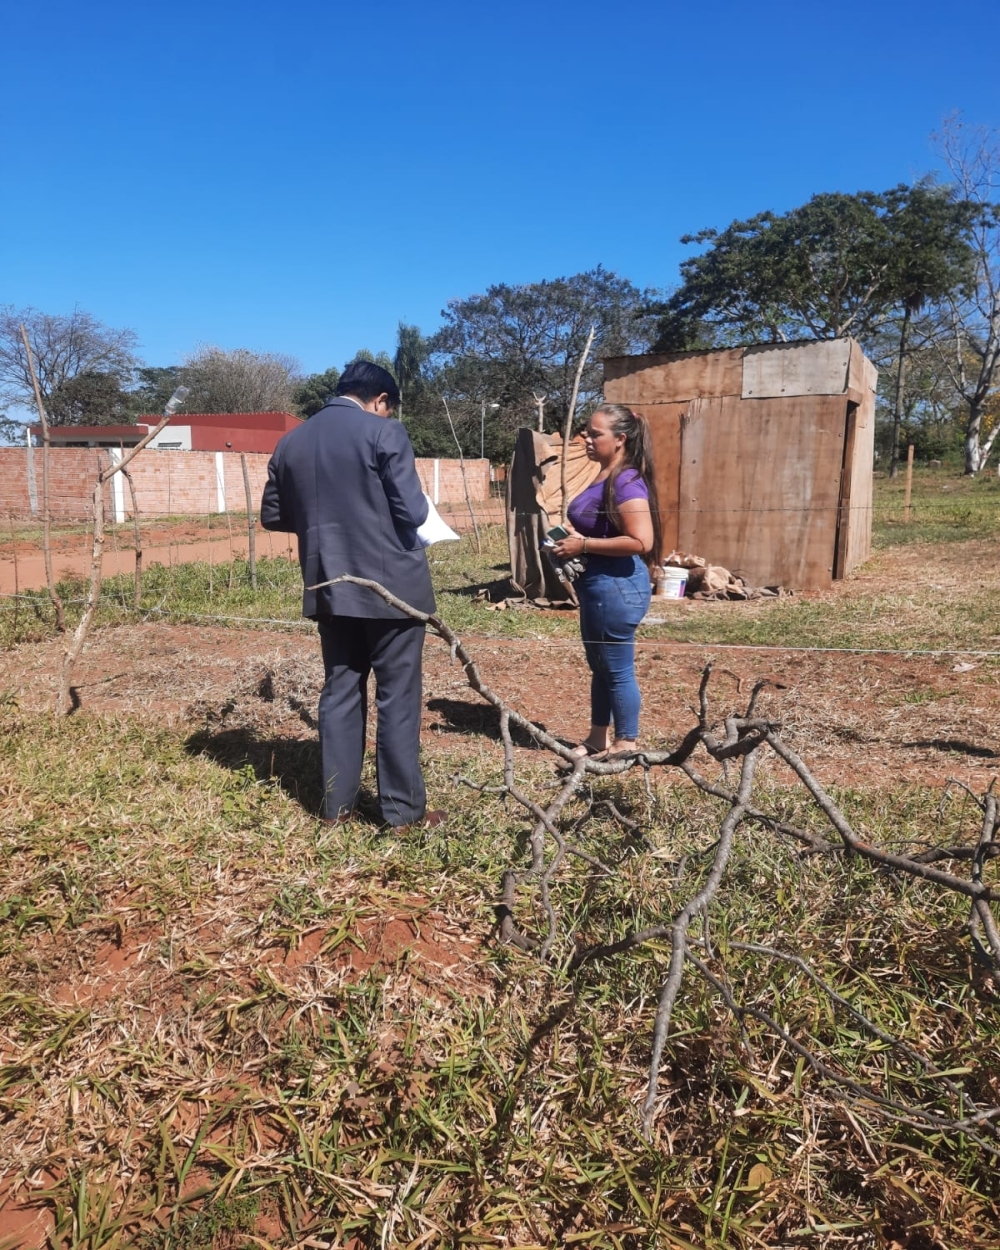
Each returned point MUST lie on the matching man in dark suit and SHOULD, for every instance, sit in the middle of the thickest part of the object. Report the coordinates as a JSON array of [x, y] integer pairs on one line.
[[346, 484]]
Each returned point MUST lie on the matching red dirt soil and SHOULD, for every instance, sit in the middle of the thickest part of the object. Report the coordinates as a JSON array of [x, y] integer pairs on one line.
[[22, 562], [858, 719]]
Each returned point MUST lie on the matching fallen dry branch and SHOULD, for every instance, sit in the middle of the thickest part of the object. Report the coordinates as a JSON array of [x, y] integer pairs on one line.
[[746, 737]]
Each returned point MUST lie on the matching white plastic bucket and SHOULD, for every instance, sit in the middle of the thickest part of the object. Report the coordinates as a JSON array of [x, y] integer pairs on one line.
[[674, 582]]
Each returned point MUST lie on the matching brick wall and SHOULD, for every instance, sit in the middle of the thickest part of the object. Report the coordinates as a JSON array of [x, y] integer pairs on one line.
[[72, 473], [179, 483], [449, 479]]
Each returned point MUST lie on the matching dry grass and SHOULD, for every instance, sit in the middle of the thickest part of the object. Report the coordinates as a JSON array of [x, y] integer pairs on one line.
[[226, 1025], [223, 1024]]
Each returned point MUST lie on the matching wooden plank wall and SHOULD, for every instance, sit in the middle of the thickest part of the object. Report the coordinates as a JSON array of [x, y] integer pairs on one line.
[[760, 486], [671, 378], [754, 467], [777, 370], [660, 388]]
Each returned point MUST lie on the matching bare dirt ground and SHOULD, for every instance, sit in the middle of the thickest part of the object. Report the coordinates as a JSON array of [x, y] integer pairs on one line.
[[22, 565], [860, 719]]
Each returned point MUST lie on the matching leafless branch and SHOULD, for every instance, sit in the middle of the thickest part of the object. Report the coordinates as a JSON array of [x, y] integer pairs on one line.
[[137, 592], [251, 525], [65, 701], [568, 424], [747, 737]]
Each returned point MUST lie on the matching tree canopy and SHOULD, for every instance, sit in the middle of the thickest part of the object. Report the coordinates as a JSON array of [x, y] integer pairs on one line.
[[313, 391], [515, 341], [90, 398], [155, 386], [239, 380], [83, 366], [837, 265]]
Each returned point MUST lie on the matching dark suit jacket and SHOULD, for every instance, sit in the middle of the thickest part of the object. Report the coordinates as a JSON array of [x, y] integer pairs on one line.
[[346, 484]]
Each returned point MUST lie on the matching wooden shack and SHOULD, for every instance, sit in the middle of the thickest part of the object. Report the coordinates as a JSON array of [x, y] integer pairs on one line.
[[763, 454]]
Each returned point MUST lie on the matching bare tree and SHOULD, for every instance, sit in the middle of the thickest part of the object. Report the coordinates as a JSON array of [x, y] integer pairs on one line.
[[570, 417], [65, 348], [240, 380], [971, 350]]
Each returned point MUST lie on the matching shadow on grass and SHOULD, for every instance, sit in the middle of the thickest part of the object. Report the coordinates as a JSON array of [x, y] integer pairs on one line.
[[295, 765], [958, 746], [482, 719], [498, 589]]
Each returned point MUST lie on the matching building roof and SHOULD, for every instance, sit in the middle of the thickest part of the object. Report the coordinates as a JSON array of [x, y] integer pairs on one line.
[[119, 432], [229, 420], [203, 420]]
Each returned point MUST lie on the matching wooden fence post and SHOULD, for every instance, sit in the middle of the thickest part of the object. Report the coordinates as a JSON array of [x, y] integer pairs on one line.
[[17, 579], [137, 595], [50, 580], [909, 485], [251, 523]]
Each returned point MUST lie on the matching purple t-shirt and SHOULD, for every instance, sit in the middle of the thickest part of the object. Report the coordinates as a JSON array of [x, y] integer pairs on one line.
[[587, 513]]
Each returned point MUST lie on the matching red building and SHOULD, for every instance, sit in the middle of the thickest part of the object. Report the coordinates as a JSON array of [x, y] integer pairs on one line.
[[188, 431]]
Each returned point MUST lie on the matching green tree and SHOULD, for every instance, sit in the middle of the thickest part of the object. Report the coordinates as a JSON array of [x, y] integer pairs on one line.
[[155, 385], [408, 365], [312, 392], [930, 257], [819, 271], [383, 359], [504, 346], [11, 431], [90, 398]]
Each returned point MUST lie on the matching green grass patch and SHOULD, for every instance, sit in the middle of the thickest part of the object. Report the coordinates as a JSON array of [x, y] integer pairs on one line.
[[945, 507]]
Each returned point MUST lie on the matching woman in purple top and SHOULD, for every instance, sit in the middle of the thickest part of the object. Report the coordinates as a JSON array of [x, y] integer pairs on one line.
[[615, 523]]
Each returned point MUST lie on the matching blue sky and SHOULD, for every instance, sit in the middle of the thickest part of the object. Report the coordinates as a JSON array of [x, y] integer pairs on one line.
[[300, 177]]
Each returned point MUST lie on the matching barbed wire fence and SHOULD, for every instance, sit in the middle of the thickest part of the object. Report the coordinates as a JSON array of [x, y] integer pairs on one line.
[[139, 542]]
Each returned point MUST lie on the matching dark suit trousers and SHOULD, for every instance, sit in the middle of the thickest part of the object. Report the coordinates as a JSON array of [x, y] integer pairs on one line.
[[353, 647]]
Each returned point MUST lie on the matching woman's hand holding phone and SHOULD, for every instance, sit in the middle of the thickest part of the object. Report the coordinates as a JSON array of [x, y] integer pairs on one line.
[[570, 546]]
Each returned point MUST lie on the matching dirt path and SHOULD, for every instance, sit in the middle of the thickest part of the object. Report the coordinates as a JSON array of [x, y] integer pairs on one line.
[[22, 565], [859, 719], [28, 572]]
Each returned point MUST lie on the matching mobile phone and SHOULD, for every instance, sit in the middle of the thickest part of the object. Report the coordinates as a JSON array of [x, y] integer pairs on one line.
[[557, 533]]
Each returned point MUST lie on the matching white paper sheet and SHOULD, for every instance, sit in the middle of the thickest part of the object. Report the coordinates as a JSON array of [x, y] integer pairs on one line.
[[434, 529]]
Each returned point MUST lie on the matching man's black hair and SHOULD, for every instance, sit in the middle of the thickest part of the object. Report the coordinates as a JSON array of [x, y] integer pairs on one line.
[[366, 381]]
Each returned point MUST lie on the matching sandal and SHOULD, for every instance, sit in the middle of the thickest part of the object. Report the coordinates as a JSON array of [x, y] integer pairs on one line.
[[583, 749]]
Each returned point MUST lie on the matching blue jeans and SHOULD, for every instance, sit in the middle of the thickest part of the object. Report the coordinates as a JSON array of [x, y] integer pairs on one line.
[[614, 594]]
